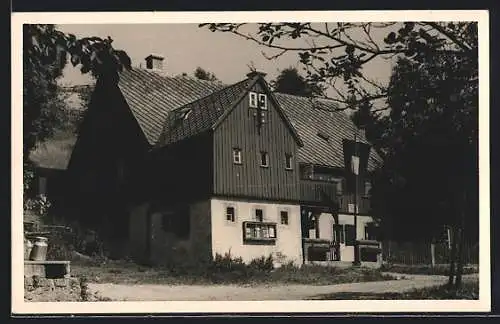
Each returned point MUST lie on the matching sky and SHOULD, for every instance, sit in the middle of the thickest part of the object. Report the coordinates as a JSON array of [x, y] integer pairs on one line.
[[186, 46]]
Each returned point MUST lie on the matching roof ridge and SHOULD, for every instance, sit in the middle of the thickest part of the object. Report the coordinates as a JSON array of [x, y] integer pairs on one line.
[[209, 95]]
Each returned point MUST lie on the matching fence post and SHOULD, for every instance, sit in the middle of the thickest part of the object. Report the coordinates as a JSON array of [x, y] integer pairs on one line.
[[433, 255]]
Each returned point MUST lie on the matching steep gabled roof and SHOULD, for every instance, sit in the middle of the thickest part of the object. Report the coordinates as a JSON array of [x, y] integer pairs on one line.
[[209, 112], [202, 114], [321, 126], [151, 96], [158, 102]]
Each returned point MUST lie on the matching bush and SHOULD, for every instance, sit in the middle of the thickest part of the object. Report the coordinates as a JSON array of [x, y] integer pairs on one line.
[[442, 269], [233, 270]]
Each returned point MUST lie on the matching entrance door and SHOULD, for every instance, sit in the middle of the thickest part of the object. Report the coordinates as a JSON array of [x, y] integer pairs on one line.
[[338, 241]]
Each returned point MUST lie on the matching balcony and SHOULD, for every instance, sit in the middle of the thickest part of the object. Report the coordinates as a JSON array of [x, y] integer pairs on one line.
[[320, 192]]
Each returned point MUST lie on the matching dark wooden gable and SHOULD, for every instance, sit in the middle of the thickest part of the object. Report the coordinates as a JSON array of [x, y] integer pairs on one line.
[[254, 131], [107, 156]]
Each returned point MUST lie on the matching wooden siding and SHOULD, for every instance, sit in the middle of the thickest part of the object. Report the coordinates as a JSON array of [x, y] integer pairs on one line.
[[240, 130], [311, 194], [108, 133], [181, 171]]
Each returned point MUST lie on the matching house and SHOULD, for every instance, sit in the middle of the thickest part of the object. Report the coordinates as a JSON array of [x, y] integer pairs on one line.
[[181, 169]]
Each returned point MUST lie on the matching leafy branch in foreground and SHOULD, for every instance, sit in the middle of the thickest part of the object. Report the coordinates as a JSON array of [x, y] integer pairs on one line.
[[333, 52]]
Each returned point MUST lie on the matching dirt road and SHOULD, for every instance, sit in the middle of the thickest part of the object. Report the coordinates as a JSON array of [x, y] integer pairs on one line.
[[272, 292]]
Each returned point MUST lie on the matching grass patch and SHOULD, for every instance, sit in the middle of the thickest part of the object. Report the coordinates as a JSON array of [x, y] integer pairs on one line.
[[441, 269], [224, 270], [468, 291]]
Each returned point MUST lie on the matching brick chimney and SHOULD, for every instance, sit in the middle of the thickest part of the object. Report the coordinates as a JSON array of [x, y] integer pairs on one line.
[[154, 62]]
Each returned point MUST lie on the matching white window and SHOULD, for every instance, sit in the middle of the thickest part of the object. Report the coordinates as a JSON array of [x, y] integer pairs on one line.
[[230, 214], [263, 101], [288, 162], [237, 156], [264, 159], [252, 97], [284, 217]]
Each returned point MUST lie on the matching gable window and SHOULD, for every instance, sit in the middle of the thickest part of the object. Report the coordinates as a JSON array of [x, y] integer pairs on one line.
[[284, 217], [230, 214], [264, 159], [262, 101], [323, 136], [288, 162], [252, 100], [259, 215], [236, 156]]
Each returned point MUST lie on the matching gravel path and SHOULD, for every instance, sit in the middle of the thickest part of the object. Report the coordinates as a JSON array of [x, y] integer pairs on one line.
[[272, 292]]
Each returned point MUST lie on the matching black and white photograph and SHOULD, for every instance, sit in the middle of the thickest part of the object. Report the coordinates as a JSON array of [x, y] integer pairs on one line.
[[250, 162]]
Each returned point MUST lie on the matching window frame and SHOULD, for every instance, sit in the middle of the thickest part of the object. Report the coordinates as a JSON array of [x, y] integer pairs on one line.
[[264, 96], [253, 99], [286, 214], [261, 220], [237, 153], [266, 155], [233, 216], [288, 159]]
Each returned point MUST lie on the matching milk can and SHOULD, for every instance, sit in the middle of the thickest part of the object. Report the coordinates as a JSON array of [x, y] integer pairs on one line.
[[39, 251], [28, 246]]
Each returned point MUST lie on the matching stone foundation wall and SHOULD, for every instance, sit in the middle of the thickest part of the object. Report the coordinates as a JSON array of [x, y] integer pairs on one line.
[[38, 282]]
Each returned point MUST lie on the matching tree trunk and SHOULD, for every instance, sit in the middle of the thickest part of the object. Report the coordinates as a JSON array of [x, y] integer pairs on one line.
[[461, 243], [433, 254], [458, 281], [451, 276]]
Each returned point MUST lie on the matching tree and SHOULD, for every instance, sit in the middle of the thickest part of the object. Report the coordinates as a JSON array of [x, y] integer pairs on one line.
[[333, 52], [290, 81], [204, 75], [430, 120], [46, 51], [429, 142]]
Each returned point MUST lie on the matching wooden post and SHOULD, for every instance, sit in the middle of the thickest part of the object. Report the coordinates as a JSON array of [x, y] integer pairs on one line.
[[433, 254]]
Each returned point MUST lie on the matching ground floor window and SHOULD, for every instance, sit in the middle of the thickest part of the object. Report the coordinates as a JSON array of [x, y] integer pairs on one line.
[[230, 214], [284, 217]]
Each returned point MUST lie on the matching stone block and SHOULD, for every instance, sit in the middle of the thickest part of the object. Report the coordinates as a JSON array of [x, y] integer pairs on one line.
[[62, 282], [28, 281]]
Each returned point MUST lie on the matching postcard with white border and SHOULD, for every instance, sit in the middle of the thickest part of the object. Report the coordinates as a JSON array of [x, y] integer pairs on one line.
[[250, 162]]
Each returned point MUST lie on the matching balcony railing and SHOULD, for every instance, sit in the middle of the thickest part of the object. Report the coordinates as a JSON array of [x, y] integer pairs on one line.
[[322, 193], [317, 192]]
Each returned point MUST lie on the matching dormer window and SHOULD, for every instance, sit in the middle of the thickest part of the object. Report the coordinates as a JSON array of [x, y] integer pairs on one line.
[[236, 156], [323, 136], [264, 159], [262, 101], [252, 100]]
